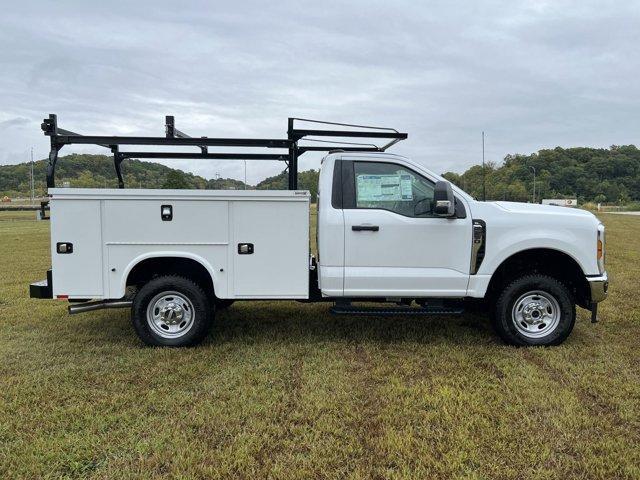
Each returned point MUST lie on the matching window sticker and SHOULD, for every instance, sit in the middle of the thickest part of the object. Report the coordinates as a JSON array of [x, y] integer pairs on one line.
[[406, 189], [384, 188]]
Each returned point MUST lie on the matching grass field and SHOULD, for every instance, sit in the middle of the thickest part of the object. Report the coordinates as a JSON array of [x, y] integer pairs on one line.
[[285, 390]]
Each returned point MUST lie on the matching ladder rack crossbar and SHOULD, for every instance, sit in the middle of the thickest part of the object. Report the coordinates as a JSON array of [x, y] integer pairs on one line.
[[60, 137]]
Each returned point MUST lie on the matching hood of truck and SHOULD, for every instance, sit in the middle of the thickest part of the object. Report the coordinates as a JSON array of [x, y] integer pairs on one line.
[[525, 208]]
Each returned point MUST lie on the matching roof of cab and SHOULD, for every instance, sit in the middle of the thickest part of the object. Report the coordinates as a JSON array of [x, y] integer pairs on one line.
[[370, 155]]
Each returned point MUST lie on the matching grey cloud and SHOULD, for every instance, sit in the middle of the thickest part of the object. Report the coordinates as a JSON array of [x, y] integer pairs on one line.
[[14, 122], [532, 74]]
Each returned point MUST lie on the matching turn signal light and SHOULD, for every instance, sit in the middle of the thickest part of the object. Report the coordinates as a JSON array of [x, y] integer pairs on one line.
[[600, 248]]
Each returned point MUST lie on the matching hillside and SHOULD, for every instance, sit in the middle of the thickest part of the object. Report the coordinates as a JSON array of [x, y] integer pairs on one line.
[[307, 180], [599, 175], [591, 174], [96, 171]]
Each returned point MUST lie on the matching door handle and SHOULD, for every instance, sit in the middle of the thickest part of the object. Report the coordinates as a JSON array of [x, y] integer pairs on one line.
[[365, 228]]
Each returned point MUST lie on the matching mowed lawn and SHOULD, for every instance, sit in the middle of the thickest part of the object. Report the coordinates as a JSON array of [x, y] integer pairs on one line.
[[286, 390]]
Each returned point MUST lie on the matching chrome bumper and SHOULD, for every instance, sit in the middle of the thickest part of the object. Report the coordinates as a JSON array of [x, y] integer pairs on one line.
[[599, 287]]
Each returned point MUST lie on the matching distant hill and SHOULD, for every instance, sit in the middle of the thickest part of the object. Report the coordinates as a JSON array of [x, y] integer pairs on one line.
[[607, 175], [307, 180], [97, 171]]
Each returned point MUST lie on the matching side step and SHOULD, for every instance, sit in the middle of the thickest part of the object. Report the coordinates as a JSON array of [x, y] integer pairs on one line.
[[400, 310]]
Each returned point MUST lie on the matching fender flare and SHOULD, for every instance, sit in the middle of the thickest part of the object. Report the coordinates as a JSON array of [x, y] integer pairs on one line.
[[483, 283]]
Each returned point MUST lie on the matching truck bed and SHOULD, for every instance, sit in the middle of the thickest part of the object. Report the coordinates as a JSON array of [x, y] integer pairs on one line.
[[112, 230]]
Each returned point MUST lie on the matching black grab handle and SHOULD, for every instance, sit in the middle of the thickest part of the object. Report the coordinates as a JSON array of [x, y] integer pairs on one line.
[[367, 228]]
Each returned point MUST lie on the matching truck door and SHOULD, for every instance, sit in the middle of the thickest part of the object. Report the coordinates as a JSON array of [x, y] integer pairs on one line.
[[394, 245]]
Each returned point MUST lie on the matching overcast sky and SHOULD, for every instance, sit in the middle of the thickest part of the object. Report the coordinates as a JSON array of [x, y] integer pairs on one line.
[[532, 74]]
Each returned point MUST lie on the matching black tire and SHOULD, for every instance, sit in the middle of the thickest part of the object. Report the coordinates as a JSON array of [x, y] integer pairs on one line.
[[536, 289], [189, 297], [223, 304]]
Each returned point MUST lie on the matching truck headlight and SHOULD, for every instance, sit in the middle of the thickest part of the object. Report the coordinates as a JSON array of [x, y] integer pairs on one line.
[[601, 248]]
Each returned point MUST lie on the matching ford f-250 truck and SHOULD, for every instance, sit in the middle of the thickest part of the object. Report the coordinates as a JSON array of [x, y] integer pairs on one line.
[[393, 238]]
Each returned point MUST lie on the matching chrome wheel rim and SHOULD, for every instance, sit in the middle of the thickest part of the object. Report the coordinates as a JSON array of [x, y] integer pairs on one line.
[[170, 314], [536, 314]]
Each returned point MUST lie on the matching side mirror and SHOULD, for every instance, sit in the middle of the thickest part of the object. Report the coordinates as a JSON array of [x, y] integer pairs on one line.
[[443, 200]]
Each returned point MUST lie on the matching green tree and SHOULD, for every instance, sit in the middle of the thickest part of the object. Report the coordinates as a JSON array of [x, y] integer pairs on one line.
[[175, 180], [585, 173], [307, 180]]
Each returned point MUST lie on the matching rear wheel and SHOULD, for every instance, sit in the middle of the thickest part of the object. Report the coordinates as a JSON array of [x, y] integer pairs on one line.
[[534, 310], [171, 311]]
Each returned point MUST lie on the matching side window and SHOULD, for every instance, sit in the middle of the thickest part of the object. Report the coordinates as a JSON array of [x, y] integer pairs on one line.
[[392, 187]]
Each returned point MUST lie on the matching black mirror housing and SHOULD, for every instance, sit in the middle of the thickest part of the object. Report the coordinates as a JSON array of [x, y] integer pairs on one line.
[[443, 200]]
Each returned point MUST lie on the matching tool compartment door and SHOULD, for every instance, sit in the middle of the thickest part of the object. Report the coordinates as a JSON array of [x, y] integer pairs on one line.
[[270, 250], [77, 274]]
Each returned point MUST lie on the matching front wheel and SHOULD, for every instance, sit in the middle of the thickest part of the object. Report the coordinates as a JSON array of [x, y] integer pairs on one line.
[[171, 311], [534, 310]]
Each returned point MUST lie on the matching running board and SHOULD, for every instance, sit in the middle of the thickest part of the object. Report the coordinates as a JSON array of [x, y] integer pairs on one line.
[[390, 311]]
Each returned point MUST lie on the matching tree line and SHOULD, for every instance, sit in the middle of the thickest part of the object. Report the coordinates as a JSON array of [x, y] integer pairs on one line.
[[610, 175], [606, 175], [97, 171]]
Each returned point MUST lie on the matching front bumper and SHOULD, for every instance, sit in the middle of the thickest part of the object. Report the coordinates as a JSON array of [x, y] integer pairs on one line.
[[599, 287]]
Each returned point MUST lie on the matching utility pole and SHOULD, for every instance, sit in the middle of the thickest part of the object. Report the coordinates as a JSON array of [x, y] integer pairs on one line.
[[245, 174], [534, 182], [33, 185], [484, 183]]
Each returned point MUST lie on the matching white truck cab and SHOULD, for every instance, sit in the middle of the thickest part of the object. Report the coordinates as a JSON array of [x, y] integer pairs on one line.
[[393, 238]]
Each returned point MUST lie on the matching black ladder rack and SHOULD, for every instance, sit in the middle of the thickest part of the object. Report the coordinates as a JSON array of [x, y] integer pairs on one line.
[[290, 148]]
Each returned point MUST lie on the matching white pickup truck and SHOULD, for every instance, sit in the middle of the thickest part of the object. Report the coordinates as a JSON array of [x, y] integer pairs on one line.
[[393, 238]]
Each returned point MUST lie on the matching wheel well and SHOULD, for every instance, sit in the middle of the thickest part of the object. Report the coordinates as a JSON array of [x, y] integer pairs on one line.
[[150, 268], [546, 261]]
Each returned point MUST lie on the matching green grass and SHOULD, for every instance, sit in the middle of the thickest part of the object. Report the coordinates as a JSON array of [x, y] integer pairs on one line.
[[285, 390]]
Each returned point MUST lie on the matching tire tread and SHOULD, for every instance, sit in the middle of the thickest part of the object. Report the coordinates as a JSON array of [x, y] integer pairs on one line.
[[202, 307], [501, 317]]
